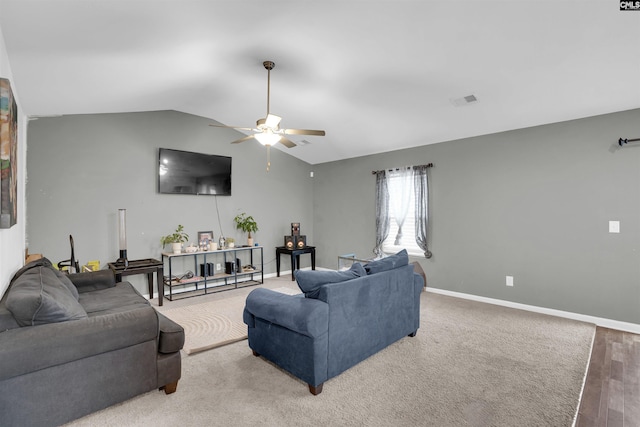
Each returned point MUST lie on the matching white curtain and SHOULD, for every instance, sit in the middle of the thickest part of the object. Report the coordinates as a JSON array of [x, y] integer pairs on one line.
[[400, 183]]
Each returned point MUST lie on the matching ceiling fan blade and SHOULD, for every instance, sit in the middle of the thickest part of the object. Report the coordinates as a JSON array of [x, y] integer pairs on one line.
[[272, 121], [246, 138], [287, 142], [304, 132], [230, 127]]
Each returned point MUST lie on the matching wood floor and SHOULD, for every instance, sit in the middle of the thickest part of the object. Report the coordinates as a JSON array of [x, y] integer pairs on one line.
[[611, 395]]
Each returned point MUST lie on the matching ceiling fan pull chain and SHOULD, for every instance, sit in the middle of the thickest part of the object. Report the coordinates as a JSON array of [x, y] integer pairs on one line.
[[268, 157]]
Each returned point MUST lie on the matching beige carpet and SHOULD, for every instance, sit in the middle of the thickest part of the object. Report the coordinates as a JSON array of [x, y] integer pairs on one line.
[[471, 364], [210, 324], [213, 323]]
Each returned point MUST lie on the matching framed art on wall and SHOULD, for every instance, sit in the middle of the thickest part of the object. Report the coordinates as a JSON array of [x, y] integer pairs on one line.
[[8, 157]]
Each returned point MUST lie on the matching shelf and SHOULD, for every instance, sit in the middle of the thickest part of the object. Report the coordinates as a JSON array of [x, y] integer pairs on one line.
[[201, 285]]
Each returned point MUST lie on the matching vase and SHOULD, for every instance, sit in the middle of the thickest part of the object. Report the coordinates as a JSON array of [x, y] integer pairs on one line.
[[176, 247], [250, 241]]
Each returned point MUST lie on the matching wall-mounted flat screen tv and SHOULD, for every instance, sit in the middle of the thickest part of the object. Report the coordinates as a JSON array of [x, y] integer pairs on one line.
[[184, 172]]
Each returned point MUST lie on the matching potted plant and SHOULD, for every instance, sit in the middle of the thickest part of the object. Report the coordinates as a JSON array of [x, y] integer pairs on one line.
[[176, 239], [247, 224], [231, 242]]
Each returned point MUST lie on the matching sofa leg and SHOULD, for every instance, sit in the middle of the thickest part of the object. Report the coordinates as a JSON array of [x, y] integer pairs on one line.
[[170, 388], [255, 353], [316, 390], [413, 334]]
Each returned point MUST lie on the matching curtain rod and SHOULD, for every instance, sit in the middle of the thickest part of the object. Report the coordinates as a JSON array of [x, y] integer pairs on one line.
[[624, 141], [428, 165]]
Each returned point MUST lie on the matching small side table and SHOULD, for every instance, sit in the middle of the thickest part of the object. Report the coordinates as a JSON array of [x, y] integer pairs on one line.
[[142, 266], [295, 257]]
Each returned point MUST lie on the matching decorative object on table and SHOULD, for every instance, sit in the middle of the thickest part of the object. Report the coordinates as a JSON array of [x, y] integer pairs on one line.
[[247, 224], [8, 156], [289, 242], [70, 265], [295, 228], [191, 249], [222, 242], [176, 239], [204, 240], [122, 237], [93, 265], [268, 129], [301, 241], [296, 240], [231, 242]]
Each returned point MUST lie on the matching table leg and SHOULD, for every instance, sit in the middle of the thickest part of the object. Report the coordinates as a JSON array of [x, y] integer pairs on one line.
[[278, 263], [150, 283], [313, 259], [160, 279], [293, 265]]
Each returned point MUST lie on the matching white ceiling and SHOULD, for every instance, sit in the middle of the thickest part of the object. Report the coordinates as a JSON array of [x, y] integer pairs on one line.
[[376, 75]]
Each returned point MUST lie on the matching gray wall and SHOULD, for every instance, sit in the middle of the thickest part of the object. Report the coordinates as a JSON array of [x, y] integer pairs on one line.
[[532, 203], [82, 169]]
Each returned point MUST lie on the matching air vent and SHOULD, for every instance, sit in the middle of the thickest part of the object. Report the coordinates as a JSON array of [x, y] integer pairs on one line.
[[465, 100], [303, 142]]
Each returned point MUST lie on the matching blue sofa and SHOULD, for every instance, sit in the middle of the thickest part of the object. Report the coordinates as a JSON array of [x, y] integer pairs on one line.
[[342, 318]]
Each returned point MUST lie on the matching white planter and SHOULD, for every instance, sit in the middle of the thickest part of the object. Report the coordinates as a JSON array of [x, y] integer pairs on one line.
[[250, 241], [231, 244], [177, 248]]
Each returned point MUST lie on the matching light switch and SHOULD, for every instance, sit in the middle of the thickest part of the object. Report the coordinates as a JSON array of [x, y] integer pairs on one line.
[[614, 226]]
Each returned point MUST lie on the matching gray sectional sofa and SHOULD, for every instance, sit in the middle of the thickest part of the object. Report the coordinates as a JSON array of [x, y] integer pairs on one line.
[[342, 318], [73, 344]]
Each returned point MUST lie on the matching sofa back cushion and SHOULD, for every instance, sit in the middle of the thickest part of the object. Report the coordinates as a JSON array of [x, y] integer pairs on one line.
[[38, 296], [309, 281], [388, 263]]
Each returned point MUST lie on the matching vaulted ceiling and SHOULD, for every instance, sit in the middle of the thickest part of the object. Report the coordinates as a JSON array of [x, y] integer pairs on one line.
[[376, 75]]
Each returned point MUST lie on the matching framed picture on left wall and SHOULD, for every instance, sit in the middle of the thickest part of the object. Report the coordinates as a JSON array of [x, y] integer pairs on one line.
[[8, 157]]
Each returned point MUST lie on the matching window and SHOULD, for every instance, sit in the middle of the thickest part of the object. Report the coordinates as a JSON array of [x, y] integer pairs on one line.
[[402, 211], [400, 189]]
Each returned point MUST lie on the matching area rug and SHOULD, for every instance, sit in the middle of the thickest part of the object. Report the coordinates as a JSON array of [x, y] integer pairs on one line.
[[211, 324], [470, 364], [214, 323]]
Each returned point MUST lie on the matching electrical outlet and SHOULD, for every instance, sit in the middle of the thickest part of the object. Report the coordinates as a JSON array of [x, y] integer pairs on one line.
[[614, 226], [509, 280], [218, 267]]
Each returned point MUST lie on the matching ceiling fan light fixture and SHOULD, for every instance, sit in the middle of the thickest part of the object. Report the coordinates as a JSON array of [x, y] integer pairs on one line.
[[267, 138]]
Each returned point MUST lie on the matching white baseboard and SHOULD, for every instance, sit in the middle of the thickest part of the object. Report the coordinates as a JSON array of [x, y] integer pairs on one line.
[[600, 321]]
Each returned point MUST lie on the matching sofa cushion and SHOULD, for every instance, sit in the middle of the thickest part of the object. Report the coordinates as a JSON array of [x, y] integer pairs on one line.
[[37, 296], [44, 262], [309, 281], [388, 263]]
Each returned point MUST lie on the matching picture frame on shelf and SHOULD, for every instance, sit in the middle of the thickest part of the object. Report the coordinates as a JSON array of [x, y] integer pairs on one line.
[[204, 237]]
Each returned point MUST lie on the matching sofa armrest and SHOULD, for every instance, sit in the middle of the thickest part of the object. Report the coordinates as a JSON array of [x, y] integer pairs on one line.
[[31, 348], [93, 281], [170, 336], [306, 316]]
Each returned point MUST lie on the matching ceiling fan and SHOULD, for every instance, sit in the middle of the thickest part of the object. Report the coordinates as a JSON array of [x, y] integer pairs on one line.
[[267, 130]]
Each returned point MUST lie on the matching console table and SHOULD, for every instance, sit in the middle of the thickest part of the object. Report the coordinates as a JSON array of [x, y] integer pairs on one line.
[[199, 273], [295, 257], [141, 266]]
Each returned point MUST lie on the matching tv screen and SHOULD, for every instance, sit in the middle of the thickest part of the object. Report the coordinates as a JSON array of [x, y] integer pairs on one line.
[[184, 172]]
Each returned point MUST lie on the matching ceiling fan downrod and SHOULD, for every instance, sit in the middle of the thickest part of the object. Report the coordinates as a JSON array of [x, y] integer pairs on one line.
[[269, 65]]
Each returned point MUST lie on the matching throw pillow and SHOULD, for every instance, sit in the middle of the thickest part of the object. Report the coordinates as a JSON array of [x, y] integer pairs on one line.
[[44, 262], [388, 263], [38, 296], [309, 281]]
